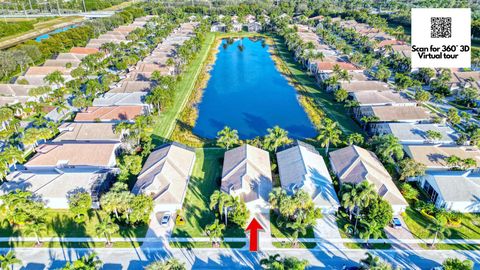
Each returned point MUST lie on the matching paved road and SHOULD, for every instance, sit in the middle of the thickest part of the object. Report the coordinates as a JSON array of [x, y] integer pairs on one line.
[[235, 259]]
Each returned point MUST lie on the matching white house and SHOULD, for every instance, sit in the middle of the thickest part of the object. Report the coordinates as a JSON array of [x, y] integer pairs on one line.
[[55, 186], [301, 167], [453, 190], [165, 176], [412, 133]]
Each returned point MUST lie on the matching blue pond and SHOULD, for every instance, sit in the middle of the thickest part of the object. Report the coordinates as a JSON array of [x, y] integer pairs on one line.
[[246, 92], [59, 30]]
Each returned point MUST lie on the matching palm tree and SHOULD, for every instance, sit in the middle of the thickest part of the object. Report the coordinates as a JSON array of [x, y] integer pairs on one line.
[[215, 230], [9, 260], [55, 78], [372, 262], [355, 138], [106, 228], [370, 230], [439, 230], [388, 147], [221, 201], [87, 262], [227, 137], [329, 133], [36, 228], [275, 138], [298, 226], [271, 262], [170, 264]]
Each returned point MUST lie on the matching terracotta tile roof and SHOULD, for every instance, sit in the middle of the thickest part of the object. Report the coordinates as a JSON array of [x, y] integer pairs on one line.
[[82, 50], [360, 86], [91, 132], [45, 70], [327, 66], [384, 43], [74, 154], [434, 156], [398, 113], [112, 113]]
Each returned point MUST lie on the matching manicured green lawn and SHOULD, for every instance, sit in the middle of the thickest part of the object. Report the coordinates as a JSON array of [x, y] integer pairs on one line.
[[60, 223], [167, 120], [307, 245], [469, 229], [204, 181], [341, 222], [206, 244], [70, 244], [308, 84]]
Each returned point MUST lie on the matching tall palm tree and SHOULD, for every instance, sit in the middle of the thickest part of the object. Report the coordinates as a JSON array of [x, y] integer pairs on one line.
[[370, 230], [275, 138], [9, 260], [36, 228], [106, 227], [215, 230], [439, 230], [329, 133], [388, 147], [221, 201], [227, 137]]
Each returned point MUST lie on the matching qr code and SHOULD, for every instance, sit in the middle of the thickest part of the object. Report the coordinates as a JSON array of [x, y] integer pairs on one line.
[[441, 27]]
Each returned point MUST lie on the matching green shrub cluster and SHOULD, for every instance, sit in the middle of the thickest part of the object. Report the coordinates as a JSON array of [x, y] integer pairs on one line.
[[11, 28]]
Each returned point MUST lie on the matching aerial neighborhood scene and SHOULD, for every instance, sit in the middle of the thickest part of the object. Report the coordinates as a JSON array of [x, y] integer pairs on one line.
[[217, 134]]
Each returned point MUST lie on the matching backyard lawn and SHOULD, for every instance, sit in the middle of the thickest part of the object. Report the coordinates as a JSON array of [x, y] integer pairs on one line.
[[310, 88], [204, 181], [469, 229], [165, 125], [60, 223]]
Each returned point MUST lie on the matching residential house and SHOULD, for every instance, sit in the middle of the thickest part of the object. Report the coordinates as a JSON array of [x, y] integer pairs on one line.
[[122, 99], [78, 132], [218, 27], [109, 114], [413, 133], [364, 86], [464, 79], [354, 165], [247, 173], [55, 186], [73, 155], [301, 167], [83, 50], [165, 176], [434, 157], [382, 98], [384, 114], [133, 86]]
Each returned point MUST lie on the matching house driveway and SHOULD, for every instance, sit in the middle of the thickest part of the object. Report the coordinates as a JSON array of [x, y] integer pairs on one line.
[[401, 233], [327, 230], [156, 230]]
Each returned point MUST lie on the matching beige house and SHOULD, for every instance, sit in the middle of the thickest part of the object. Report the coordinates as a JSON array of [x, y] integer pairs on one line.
[[434, 157], [109, 114], [354, 165], [77, 132], [364, 86], [73, 155], [247, 173], [165, 176]]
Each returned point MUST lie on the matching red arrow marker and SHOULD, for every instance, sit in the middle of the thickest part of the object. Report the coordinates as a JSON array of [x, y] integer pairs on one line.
[[254, 227]]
